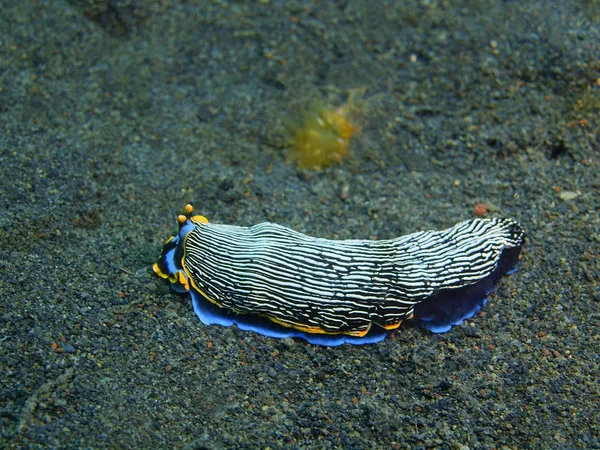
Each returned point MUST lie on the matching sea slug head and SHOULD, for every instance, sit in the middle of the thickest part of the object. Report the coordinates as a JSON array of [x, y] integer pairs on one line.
[[169, 264], [187, 221]]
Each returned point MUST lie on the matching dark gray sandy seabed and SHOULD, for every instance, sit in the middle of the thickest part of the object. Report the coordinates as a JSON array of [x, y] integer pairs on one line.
[[114, 114]]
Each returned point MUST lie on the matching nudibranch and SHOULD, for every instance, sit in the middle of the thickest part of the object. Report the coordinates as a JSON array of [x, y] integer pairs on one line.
[[281, 283]]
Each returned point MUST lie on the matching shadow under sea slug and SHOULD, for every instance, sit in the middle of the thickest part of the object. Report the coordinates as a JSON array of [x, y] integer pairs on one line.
[[281, 283]]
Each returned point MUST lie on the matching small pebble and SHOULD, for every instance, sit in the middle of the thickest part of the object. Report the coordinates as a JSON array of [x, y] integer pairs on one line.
[[480, 209], [568, 195], [69, 348]]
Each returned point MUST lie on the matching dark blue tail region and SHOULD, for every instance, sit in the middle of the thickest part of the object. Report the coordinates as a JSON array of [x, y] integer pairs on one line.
[[450, 307]]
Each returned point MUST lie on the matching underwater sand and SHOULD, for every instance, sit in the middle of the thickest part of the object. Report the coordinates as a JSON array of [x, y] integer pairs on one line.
[[114, 115]]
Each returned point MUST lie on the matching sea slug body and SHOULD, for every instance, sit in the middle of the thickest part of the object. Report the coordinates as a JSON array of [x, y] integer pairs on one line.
[[282, 283]]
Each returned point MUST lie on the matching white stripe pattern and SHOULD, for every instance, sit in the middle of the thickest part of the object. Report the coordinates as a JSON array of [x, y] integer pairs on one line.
[[339, 286]]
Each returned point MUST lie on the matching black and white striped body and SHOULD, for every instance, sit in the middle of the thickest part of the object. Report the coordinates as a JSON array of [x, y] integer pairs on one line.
[[326, 286]]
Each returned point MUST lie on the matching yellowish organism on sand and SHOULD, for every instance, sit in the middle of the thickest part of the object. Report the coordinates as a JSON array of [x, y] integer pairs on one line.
[[323, 133]]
